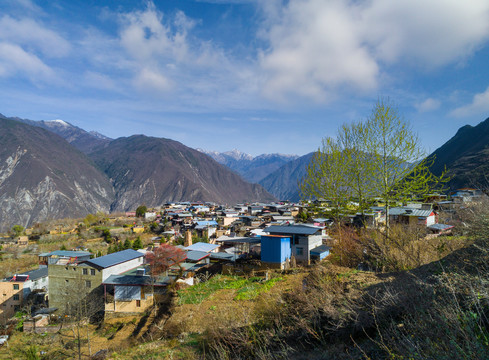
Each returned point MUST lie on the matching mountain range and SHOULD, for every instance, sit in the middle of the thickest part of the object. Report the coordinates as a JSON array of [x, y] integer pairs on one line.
[[56, 170], [53, 169], [252, 169]]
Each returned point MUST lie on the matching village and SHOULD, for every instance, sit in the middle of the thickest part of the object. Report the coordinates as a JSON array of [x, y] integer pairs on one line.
[[136, 257]]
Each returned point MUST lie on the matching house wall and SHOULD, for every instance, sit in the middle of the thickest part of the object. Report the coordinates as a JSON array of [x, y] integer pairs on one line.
[[68, 283], [122, 267], [306, 244], [31, 285], [275, 249], [129, 299], [9, 305]]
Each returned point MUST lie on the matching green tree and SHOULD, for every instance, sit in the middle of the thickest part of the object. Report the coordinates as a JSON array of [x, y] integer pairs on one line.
[[18, 230], [127, 244], [137, 244], [107, 236], [141, 210], [381, 157]]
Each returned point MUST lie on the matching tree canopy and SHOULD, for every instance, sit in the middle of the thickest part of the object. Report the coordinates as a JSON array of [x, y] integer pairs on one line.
[[381, 158], [141, 210]]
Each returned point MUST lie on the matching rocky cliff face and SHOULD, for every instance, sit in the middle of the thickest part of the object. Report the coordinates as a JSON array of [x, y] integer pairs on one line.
[[152, 171], [43, 177]]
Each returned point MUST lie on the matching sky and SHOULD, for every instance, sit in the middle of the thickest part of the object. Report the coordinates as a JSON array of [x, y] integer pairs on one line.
[[260, 76]]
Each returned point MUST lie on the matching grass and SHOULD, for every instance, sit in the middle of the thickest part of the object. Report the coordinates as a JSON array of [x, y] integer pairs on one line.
[[247, 289]]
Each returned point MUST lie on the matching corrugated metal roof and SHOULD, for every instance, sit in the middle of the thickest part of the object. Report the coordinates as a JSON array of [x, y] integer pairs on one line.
[[65, 253], [207, 223], [410, 211], [136, 280], [37, 273], [194, 255], [320, 249], [201, 246], [292, 230], [106, 261], [440, 227]]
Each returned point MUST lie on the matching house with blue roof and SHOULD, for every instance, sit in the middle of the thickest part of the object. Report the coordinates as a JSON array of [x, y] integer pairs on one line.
[[85, 278]]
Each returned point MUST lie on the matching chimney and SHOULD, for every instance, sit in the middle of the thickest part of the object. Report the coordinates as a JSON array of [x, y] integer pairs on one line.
[[188, 238]]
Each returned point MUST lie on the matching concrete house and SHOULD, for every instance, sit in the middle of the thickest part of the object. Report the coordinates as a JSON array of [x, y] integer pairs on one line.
[[71, 282], [14, 290], [302, 239]]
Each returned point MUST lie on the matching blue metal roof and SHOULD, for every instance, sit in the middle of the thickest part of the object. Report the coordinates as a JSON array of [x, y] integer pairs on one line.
[[320, 249], [292, 230], [196, 255], [106, 261], [201, 246], [207, 223]]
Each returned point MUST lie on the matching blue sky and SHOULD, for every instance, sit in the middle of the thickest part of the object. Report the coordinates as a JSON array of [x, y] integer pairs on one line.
[[259, 76]]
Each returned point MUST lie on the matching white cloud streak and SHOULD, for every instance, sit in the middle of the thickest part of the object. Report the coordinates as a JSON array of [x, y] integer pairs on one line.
[[32, 35], [428, 105], [14, 61], [478, 107]]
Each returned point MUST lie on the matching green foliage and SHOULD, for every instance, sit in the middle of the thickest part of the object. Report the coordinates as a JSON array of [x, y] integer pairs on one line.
[[248, 289], [63, 247], [137, 244], [18, 230], [29, 353], [127, 244], [107, 236], [371, 159], [141, 210]]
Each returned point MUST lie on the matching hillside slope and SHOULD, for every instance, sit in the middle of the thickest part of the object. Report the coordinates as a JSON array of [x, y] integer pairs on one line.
[[83, 140], [43, 177], [283, 183], [466, 156], [152, 171]]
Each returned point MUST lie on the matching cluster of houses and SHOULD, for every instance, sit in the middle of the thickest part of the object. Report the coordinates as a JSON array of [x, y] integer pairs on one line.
[[122, 282]]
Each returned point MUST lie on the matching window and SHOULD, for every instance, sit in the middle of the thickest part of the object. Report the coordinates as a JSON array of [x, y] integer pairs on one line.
[[138, 303], [16, 307], [92, 271], [85, 271], [299, 251], [16, 286], [16, 297], [88, 284]]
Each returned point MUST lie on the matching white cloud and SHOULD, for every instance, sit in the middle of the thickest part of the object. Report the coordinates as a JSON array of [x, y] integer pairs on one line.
[[317, 48], [152, 81], [429, 104], [32, 35], [15, 61], [479, 106]]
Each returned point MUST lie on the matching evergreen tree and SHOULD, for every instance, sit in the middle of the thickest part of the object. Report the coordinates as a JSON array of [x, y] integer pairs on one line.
[[137, 244]]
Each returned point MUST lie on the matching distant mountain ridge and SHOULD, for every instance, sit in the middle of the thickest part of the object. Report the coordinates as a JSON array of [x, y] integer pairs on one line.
[[83, 140], [43, 176], [250, 168], [284, 182], [466, 157]]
